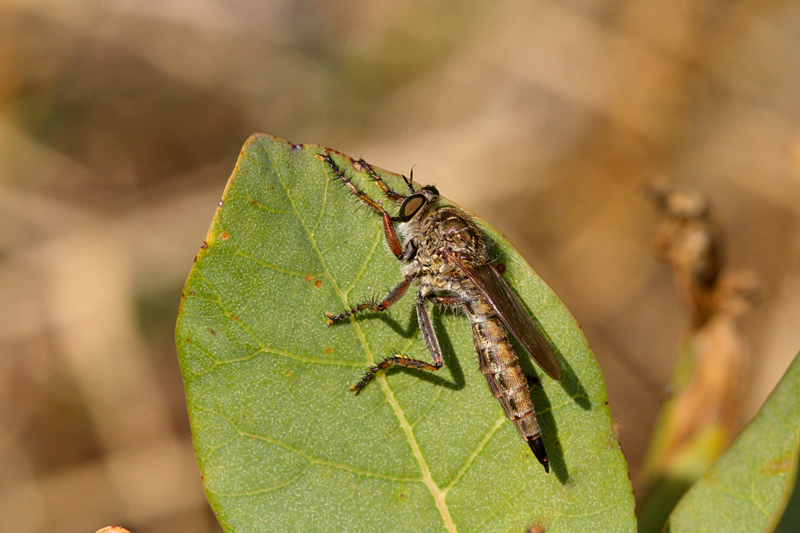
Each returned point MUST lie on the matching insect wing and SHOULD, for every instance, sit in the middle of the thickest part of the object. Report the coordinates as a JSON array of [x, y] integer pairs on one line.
[[514, 316]]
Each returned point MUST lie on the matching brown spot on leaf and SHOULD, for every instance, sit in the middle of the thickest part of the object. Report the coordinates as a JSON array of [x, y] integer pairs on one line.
[[224, 236], [213, 332], [780, 465], [318, 283], [328, 350], [309, 278]]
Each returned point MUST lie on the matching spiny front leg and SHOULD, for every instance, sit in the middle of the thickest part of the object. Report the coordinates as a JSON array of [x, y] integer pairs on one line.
[[395, 294], [388, 228], [389, 192], [431, 342]]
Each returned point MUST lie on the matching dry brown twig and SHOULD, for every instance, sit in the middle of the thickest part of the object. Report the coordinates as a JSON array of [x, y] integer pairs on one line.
[[700, 419]]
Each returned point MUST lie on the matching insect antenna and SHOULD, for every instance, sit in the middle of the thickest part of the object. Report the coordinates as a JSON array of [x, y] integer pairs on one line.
[[410, 181]]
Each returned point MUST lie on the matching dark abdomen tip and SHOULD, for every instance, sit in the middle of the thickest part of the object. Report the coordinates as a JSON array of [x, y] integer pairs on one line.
[[537, 446]]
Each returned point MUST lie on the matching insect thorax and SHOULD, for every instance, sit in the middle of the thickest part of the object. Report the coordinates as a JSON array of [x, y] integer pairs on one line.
[[442, 236]]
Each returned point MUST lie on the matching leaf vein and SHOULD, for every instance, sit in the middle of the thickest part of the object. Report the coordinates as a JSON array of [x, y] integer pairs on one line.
[[474, 454]]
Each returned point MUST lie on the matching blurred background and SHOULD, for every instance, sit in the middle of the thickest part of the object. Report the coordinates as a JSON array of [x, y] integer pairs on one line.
[[120, 123]]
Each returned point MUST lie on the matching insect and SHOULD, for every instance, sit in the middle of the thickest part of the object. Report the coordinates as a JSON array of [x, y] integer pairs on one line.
[[443, 250]]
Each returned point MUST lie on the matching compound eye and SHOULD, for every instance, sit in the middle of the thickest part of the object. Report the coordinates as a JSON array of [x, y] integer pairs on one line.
[[411, 206]]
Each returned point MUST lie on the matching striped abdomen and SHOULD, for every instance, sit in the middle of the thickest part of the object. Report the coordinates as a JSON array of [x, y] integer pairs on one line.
[[500, 364]]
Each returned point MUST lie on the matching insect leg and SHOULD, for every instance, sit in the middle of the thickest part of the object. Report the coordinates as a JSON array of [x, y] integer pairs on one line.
[[447, 301], [428, 334], [388, 229], [390, 193], [395, 294]]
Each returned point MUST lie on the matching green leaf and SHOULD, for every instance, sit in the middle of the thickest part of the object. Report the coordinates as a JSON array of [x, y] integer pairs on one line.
[[282, 443], [748, 488]]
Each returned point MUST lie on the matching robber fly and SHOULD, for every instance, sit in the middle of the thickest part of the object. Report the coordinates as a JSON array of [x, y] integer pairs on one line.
[[444, 250]]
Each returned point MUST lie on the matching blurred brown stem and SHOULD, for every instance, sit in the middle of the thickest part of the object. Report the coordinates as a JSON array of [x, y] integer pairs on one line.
[[698, 421]]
